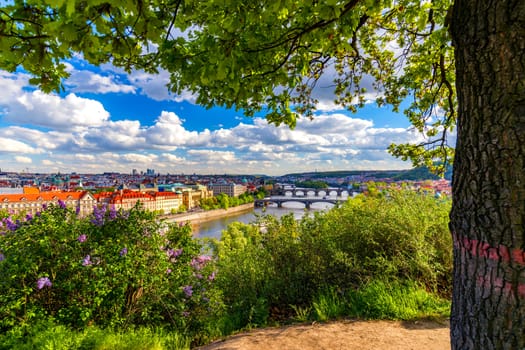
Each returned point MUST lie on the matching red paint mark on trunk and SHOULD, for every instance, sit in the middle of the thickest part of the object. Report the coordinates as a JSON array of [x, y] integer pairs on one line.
[[485, 250]]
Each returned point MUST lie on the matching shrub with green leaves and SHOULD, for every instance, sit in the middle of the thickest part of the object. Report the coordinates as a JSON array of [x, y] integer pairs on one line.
[[114, 268], [394, 237]]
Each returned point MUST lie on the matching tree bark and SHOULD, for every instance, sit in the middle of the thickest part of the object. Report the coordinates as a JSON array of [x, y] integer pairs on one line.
[[488, 211]]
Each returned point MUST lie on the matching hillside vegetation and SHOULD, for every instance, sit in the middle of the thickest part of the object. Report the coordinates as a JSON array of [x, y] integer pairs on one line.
[[125, 279]]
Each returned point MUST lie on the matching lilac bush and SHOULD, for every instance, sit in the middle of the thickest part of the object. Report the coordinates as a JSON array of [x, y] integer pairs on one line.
[[112, 268]]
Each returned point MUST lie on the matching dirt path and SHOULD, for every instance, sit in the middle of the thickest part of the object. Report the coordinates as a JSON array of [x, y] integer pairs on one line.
[[342, 335]]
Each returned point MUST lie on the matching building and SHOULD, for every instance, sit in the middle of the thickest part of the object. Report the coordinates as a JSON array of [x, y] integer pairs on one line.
[[167, 202], [192, 195], [126, 199], [33, 202], [231, 189], [161, 202]]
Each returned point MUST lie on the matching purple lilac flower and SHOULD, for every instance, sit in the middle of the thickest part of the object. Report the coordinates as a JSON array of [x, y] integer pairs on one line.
[[168, 271], [211, 277], [87, 261], [200, 261], [29, 217], [11, 226], [98, 215], [198, 276], [123, 251], [112, 213], [172, 253], [43, 282], [2, 257], [185, 313], [44, 206], [61, 204], [188, 290], [181, 224], [77, 210], [82, 238]]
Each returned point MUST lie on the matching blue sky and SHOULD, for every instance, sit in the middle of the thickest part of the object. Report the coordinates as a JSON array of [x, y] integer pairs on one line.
[[107, 120]]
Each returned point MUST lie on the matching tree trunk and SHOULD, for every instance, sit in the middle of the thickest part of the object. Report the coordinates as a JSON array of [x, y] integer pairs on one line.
[[488, 212]]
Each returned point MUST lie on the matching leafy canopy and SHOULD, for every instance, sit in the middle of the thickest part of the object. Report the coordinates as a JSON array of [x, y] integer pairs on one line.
[[256, 55]]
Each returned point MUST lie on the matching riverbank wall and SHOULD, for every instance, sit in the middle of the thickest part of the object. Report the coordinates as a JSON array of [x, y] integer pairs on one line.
[[207, 215]]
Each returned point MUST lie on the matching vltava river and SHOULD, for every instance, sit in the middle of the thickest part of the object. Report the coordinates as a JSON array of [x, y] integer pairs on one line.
[[214, 228]]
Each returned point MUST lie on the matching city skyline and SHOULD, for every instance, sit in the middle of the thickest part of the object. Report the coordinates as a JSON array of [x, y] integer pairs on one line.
[[107, 120]]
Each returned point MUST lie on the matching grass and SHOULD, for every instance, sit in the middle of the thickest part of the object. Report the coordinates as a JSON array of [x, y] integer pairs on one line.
[[49, 336], [380, 300]]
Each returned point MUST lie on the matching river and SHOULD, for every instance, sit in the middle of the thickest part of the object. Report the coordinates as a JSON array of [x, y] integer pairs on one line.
[[213, 228]]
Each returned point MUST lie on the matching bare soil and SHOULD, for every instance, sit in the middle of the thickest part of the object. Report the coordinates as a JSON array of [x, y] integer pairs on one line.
[[343, 335]]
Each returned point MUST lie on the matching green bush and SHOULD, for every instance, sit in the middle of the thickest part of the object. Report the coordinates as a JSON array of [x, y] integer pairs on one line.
[[114, 268], [275, 267]]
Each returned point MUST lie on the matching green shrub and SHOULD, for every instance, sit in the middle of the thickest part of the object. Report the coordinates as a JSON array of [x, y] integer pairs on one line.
[[284, 265]]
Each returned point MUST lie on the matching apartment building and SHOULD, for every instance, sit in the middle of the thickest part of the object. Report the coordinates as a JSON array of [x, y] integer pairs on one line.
[[32, 202], [231, 189], [126, 199], [163, 202]]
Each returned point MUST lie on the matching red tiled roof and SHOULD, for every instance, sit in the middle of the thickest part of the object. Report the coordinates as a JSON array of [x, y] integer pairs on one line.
[[43, 196]]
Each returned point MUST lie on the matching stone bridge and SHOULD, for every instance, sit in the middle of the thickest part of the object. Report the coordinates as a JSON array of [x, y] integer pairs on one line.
[[308, 201], [317, 191]]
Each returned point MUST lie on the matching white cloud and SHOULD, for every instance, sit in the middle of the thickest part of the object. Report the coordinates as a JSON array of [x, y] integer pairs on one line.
[[21, 106], [169, 131], [135, 158], [23, 160], [87, 81], [14, 146]]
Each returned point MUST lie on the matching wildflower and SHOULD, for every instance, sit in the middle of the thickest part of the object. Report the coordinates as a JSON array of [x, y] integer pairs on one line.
[[29, 217], [44, 206], [82, 238], [168, 271], [77, 210], [188, 290], [198, 276], [185, 313], [61, 204], [87, 261], [43, 282], [123, 251], [2, 257]]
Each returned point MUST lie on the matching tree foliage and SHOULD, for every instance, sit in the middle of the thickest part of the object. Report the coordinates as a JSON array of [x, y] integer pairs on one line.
[[257, 55]]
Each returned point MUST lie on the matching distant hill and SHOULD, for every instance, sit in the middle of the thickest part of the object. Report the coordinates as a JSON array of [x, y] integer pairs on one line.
[[415, 174]]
